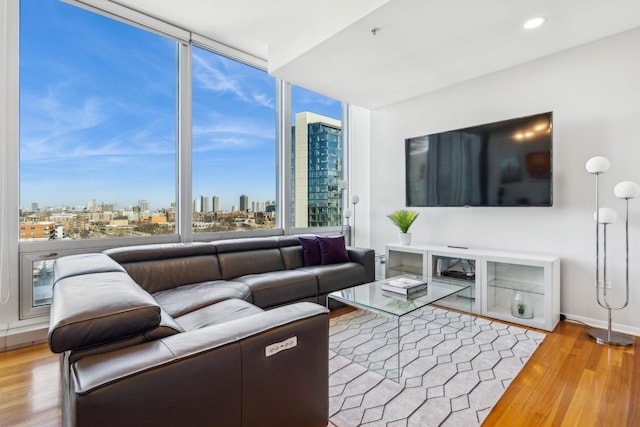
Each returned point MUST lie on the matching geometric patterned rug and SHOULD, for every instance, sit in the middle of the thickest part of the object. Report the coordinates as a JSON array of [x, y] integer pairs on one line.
[[452, 371]]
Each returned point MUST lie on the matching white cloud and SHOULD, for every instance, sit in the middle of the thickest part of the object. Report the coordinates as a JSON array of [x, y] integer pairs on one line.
[[217, 80], [231, 133], [264, 100]]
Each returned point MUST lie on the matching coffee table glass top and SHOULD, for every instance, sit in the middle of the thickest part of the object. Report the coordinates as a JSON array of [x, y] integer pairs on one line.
[[371, 296]]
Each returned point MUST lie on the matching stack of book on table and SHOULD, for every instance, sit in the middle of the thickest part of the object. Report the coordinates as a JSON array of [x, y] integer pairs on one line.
[[405, 285]]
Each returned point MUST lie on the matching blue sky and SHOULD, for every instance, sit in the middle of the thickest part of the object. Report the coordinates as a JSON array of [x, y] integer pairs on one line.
[[98, 115]]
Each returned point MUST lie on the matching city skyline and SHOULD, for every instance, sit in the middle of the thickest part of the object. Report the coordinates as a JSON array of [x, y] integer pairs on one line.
[[141, 203], [98, 114]]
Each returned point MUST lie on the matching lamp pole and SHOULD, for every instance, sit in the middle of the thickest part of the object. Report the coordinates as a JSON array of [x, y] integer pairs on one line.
[[354, 200]]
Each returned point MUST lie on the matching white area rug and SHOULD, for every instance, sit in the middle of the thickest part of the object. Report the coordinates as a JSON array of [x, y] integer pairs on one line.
[[451, 374]]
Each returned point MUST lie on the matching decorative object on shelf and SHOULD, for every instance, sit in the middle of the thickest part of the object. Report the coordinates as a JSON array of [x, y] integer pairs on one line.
[[604, 216], [403, 219], [521, 305]]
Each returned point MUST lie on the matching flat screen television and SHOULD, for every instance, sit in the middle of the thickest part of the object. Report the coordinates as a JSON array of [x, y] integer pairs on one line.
[[506, 163]]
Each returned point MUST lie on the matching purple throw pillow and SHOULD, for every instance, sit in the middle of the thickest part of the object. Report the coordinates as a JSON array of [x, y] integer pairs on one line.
[[332, 250], [310, 250]]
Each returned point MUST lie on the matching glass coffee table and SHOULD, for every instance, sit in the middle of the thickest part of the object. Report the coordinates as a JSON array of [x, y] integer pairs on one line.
[[371, 298]]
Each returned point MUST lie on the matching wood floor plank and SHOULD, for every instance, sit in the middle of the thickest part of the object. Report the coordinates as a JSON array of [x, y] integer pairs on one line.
[[30, 388], [569, 381], [634, 392], [573, 381]]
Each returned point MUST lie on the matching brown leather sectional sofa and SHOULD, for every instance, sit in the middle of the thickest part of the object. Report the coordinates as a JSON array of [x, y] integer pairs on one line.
[[223, 333]]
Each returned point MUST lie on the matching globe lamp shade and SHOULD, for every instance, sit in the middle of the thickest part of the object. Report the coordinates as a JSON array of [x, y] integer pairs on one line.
[[607, 216], [626, 190], [597, 164]]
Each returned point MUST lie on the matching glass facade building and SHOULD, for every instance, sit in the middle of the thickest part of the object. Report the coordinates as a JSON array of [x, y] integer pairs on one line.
[[317, 170]]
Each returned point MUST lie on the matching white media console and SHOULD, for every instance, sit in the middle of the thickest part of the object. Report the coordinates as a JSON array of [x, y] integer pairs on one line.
[[520, 288]]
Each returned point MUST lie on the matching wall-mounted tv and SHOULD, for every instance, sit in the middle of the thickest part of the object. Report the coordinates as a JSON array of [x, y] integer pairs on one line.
[[506, 163]]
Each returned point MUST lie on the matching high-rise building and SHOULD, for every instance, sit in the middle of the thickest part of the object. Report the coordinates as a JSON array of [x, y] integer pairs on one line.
[[204, 204], [270, 206], [257, 206], [34, 207], [143, 205], [216, 203], [317, 147], [244, 202]]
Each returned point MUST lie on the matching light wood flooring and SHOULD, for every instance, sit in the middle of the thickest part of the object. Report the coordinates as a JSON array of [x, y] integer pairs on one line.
[[569, 381]]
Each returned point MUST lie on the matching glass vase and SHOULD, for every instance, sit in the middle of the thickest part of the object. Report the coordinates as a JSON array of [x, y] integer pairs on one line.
[[521, 305]]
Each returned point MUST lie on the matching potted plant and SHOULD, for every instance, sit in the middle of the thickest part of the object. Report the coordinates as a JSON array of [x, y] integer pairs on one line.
[[403, 219]]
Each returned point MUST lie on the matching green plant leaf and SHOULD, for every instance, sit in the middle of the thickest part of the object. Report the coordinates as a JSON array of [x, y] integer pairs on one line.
[[403, 219]]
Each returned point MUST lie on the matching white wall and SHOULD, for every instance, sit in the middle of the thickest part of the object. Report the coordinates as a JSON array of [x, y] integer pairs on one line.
[[593, 92]]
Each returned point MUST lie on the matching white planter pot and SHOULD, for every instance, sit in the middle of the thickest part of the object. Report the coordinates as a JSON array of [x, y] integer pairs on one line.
[[405, 238]]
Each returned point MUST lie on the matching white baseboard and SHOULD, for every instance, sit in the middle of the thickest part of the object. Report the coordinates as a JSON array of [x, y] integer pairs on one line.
[[23, 337], [603, 324]]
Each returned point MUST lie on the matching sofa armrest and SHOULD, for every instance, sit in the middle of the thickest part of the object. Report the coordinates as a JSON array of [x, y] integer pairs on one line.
[[366, 257], [270, 368], [99, 308]]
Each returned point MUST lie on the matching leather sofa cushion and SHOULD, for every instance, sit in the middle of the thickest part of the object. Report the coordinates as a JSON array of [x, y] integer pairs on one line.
[[293, 257], [185, 299], [167, 327], [280, 287], [158, 275], [334, 277], [224, 311], [160, 251], [75, 265], [236, 264], [246, 244], [293, 240], [98, 308]]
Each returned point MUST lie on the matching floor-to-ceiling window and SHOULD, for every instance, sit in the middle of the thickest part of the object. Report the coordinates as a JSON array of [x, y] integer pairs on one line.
[[97, 126], [234, 145]]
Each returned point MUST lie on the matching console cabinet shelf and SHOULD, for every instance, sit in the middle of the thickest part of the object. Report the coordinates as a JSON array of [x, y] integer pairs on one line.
[[515, 287]]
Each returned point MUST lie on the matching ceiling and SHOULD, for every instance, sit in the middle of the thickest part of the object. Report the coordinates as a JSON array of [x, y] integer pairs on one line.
[[420, 45]]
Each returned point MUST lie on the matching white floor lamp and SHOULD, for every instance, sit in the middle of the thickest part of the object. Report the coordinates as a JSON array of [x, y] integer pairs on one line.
[[604, 216], [346, 213], [354, 201]]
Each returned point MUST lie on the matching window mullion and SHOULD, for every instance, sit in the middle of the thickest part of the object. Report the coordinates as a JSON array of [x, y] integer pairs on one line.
[[283, 163], [184, 211]]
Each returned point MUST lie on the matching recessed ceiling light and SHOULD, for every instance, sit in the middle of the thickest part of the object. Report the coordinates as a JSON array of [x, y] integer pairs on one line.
[[534, 22]]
